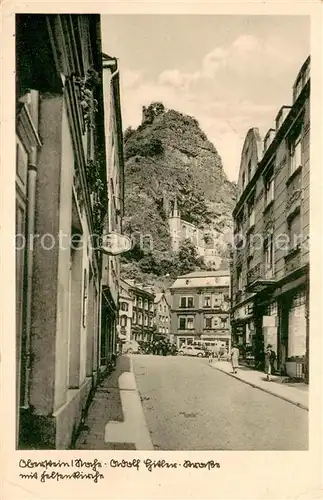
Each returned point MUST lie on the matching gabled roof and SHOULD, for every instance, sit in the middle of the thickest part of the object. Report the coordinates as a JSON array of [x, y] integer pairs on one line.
[[159, 297]]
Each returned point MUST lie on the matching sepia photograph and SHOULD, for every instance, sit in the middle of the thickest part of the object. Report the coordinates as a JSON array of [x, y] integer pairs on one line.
[[162, 232]]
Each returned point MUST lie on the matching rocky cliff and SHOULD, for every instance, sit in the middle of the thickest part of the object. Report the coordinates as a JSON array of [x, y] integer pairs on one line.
[[168, 156]]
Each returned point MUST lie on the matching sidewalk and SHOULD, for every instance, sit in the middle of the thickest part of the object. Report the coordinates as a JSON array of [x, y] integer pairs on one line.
[[297, 394], [115, 420]]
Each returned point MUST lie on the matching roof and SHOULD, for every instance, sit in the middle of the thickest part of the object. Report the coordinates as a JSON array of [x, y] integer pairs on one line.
[[202, 279], [207, 274], [159, 297]]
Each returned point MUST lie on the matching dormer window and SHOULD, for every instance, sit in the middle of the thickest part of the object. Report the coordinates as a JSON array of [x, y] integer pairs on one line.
[[269, 138], [302, 79], [281, 116], [249, 170]]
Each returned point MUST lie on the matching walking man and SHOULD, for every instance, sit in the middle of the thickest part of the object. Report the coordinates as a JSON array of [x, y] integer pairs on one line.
[[270, 359], [234, 358]]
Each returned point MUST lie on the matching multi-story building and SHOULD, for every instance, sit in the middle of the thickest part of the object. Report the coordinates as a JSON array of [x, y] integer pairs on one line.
[[142, 325], [200, 306], [125, 311], [62, 192], [113, 220], [162, 315], [270, 280]]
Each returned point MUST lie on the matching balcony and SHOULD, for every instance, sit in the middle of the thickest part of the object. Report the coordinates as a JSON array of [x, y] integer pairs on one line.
[[259, 278]]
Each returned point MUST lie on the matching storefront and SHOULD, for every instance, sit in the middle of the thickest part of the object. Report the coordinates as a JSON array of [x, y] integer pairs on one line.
[[243, 326], [294, 337]]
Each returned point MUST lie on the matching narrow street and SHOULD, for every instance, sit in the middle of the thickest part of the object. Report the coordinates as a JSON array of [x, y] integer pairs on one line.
[[190, 406]]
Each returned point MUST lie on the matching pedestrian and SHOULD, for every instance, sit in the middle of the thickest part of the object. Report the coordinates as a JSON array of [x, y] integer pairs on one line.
[[216, 352], [211, 355], [270, 359], [235, 358]]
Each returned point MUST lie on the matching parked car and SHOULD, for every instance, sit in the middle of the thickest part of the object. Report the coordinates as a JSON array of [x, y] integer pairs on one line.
[[190, 350]]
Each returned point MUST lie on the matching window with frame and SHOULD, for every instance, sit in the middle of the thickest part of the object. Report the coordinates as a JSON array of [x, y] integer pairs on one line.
[[151, 321], [251, 211], [224, 322], [134, 317], [140, 318], [207, 301], [294, 230], [123, 321], [295, 152], [140, 302], [269, 255], [216, 322], [187, 302], [146, 304], [146, 320], [186, 323], [269, 182], [239, 279], [124, 306], [208, 322]]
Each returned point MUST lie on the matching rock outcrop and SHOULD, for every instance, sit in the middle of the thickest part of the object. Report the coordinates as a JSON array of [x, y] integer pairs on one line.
[[169, 156]]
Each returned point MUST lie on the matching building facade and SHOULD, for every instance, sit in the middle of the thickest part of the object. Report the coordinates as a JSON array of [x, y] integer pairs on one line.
[[62, 208], [125, 312], [200, 307], [270, 268], [162, 315], [142, 324], [115, 210]]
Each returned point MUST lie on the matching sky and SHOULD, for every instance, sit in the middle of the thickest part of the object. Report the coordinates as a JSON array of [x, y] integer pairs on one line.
[[230, 72]]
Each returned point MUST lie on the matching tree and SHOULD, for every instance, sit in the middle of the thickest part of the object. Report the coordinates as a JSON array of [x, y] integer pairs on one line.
[[188, 259]]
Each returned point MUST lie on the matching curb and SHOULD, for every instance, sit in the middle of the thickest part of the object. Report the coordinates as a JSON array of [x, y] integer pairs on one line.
[[135, 389], [299, 405]]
